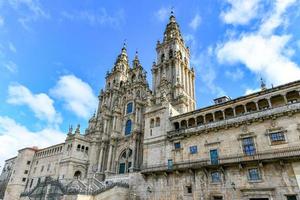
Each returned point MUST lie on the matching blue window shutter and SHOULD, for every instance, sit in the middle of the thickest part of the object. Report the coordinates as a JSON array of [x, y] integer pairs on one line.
[[214, 157], [128, 127], [129, 108]]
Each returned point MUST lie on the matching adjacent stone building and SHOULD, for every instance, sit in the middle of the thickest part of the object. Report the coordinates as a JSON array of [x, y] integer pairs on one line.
[[147, 143]]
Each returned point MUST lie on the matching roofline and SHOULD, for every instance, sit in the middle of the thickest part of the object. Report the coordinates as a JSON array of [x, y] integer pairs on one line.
[[50, 146], [269, 90], [10, 159]]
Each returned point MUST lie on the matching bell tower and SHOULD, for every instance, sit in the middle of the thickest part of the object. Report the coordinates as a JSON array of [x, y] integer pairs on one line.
[[173, 78]]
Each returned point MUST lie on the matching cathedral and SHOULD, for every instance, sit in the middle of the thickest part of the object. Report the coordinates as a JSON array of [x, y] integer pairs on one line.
[[153, 144]]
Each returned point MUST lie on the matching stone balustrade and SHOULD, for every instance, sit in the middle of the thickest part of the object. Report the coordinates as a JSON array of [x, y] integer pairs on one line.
[[251, 116], [260, 156]]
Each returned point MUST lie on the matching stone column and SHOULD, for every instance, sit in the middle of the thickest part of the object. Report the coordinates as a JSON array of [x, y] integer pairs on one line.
[[133, 165], [269, 102], [256, 105], [100, 160], [182, 76], [234, 113], [285, 99], [111, 146]]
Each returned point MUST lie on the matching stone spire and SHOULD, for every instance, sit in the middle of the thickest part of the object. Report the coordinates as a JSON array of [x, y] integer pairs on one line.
[[122, 59], [136, 61], [172, 30], [77, 131]]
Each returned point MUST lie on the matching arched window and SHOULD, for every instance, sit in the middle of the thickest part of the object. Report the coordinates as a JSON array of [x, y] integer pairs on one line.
[[162, 57], [170, 54], [77, 175], [125, 161], [128, 127], [133, 77], [157, 121], [151, 123], [129, 108]]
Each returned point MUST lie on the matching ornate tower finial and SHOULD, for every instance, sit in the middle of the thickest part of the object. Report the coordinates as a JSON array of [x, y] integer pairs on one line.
[[172, 10], [70, 130], [172, 17], [262, 84], [77, 129]]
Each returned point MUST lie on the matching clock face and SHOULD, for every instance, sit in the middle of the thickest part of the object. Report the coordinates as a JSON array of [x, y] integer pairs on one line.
[[94, 168]]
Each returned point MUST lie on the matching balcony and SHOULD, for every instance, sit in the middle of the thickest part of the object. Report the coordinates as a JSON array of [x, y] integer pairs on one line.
[[270, 155], [250, 116]]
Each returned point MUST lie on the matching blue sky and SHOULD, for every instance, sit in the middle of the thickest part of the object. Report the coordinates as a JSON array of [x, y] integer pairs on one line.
[[54, 55]]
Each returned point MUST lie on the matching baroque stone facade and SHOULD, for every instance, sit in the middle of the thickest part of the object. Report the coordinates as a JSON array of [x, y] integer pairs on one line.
[[147, 143]]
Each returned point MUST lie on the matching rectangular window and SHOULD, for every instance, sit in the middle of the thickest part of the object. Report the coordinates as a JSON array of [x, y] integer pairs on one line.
[[291, 197], [254, 174], [122, 168], [189, 190], [277, 137], [177, 145], [214, 157], [28, 162], [170, 164], [215, 177], [193, 149], [129, 108], [23, 179], [26, 172], [48, 168], [218, 198], [248, 146], [42, 168]]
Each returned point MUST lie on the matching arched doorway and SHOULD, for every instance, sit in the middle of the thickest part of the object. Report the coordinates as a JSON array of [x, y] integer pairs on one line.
[[77, 175], [125, 161]]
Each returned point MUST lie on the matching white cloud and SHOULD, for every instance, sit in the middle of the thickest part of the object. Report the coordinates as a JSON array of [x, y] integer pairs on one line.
[[96, 17], [14, 136], [29, 11], [12, 48], [11, 66], [162, 14], [263, 56], [250, 91], [235, 75], [240, 12], [205, 68], [275, 18], [41, 104], [1, 21], [77, 95], [263, 52], [196, 21]]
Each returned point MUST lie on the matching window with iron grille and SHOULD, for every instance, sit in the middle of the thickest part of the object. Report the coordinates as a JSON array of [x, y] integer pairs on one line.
[[215, 177], [277, 137], [193, 149], [254, 174], [248, 146], [177, 145]]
